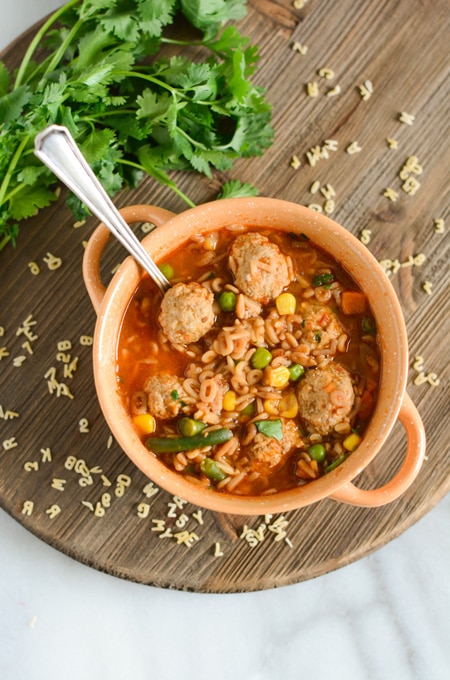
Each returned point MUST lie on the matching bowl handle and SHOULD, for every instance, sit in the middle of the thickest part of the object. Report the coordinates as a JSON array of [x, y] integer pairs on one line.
[[99, 239], [411, 421]]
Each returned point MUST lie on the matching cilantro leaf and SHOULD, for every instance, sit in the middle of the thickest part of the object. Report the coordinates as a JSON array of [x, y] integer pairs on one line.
[[155, 14], [206, 13], [234, 188], [13, 103], [27, 203], [271, 428]]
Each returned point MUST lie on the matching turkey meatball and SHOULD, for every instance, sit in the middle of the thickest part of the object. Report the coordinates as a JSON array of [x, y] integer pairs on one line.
[[260, 269], [325, 397], [267, 452], [186, 313], [165, 395]]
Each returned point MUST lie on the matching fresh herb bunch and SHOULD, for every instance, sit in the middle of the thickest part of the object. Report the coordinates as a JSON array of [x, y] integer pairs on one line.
[[93, 66]]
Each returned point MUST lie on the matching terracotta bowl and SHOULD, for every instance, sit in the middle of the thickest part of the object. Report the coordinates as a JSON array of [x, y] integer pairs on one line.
[[393, 402]]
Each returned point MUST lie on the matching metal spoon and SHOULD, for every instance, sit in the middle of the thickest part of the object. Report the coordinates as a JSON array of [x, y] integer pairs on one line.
[[57, 149]]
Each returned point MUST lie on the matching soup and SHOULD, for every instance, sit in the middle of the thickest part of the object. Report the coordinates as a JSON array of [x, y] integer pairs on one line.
[[258, 370]]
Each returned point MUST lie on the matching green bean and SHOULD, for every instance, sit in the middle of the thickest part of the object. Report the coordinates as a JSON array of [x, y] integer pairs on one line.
[[335, 463], [189, 427], [177, 444], [210, 468]]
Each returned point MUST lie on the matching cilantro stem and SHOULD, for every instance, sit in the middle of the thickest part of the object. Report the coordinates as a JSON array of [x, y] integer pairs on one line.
[[171, 184], [14, 160], [151, 79], [5, 240], [194, 142], [62, 48], [37, 39]]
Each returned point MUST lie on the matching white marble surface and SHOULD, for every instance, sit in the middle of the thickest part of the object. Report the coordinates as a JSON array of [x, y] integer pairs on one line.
[[386, 616]]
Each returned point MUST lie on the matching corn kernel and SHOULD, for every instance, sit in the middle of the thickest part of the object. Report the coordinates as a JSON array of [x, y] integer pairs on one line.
[[352, 441], [289, 406], [271, 407], [229, 401], [286, 304], [277, 377], [145, 422]]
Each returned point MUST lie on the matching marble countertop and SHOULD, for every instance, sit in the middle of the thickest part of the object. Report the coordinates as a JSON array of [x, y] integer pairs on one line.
[[385, 616]]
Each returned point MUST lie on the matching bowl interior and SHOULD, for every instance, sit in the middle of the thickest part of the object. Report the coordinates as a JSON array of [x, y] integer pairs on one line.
[[359, 263]]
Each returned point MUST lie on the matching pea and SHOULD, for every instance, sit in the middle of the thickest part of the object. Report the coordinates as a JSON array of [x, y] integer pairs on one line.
[[189, 427], [167, 270], [261, 358], [317, 452], [227, 301], [295, 371]]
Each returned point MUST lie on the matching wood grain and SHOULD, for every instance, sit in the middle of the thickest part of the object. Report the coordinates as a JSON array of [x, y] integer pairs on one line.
[[401, 46]]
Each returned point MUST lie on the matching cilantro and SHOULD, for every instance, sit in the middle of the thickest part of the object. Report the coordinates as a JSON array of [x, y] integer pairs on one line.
[[88, 68], [323, 280], [174, 395], [235, 188], [271, 428]]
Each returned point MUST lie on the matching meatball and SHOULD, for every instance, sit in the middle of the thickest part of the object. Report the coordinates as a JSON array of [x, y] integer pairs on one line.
[[165, 395], [325, 397], [320, 325], [267, 452], [186, 313], [260, 269]]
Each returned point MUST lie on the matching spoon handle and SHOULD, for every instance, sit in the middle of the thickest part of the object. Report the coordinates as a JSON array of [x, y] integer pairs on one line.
[[57, 149]]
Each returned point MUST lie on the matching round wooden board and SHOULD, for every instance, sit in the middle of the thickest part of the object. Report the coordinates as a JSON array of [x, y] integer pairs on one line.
[[76, 490]]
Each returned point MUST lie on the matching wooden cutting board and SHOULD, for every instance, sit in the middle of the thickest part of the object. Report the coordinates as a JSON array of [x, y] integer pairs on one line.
[[61, 474]]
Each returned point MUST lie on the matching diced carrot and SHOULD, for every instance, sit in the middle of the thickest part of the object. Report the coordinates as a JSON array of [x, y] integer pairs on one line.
[[353, 302], [366, 406]]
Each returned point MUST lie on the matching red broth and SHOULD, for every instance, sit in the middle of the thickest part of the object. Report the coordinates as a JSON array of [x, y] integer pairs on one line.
[[282, 402]]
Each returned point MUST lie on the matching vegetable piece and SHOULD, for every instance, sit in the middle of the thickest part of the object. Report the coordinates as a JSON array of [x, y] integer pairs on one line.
[[366, 405], [271, 428], [351, 442], [353, 302], [249, 410], [289, 406], [177, 444], [323, 280], [189, 427], [227, 301], [369, 326], [261, 358], [95, 67], [317, 452], [286, 304], [277, 377], [167, 270], [210, 468], [145, 423], [229, 401], [271, 407], [335, 463], [295, 371]]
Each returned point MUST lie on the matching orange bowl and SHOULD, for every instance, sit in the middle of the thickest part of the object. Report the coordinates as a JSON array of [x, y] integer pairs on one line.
[[393, 402]]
